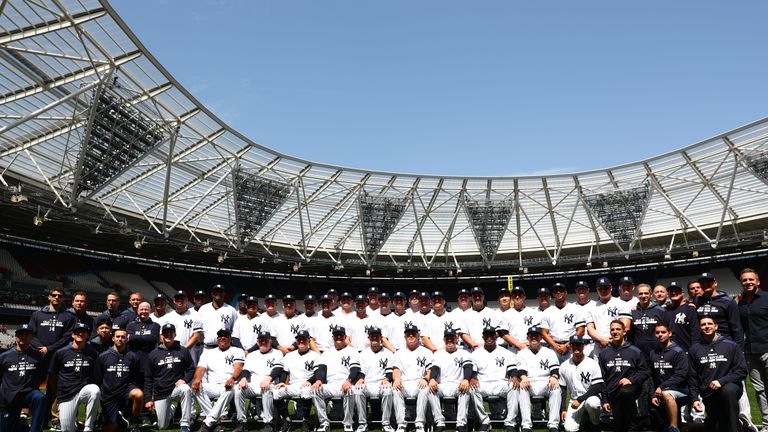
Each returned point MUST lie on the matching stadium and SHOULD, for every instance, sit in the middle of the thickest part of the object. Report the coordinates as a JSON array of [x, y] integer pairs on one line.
[[114, 177]]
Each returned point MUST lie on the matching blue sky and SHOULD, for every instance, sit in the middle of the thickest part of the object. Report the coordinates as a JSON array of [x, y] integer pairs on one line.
[[466, 88]]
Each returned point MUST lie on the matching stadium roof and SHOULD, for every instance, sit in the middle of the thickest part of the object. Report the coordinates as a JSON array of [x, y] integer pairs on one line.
[[92, 125]]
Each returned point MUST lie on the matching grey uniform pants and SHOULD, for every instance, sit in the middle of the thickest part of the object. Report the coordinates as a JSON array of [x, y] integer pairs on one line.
[[410, 390], [333, 390], [251, 390], [373, 390], [451, 389], [165, 409]]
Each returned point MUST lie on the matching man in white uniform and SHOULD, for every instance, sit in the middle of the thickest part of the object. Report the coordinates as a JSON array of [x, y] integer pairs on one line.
[[301, 366], [375, 382], [395, 323], [248, 326], [449, 377], [539, 376], [189, 328], [339, 370], [287, 325], [217, 372], [358, 324], [561, 321], [586, 304], [496, 376], [262, 368], [606, 309], [321, 326], [409, 367], [581, 375], [215, 316], [626, 291], [159, 315], [440, 321], [519, 318]]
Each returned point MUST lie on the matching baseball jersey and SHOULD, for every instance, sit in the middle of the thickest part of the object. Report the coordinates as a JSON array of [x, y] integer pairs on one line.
[[412, 364], [339, 363], [159, 320], [394, 328], [631, 302], [116, 372], [216, 319], [562, 322], [580, 377], [357, 330], [375, 365], [300, 367], [451, 364], [436, 326], [603, 313], [586, 313], [320, 328], [284, 329], [492, 366], [476, 321], [74, 369], [539, 365], [20, 373], [261, 364], [519, 321], [186, 324], [219, 365], [246, 330]]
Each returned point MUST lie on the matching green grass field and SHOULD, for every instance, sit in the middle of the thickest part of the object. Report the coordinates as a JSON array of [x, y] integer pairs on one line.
[[756, 416]]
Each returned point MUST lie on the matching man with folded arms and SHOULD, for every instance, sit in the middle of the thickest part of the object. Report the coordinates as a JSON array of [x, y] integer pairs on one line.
[[375, 381], [539, 376], [302, 366], [409, 371]]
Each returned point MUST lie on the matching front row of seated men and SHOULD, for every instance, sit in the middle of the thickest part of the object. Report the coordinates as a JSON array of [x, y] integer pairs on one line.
[[712, 372]]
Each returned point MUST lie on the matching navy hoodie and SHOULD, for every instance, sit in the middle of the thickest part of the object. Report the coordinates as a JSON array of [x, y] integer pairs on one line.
[[720, 360], [20, 373], [84, 318], [625, 361], [642, 332], [164, 368], [143, 335], [684, 323], [53, 329], [670, 368], [116, 374], [73, 369], [725, 311]]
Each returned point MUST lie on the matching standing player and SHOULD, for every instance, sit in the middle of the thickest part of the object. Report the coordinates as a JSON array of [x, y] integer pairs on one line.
[[753, 309], [216, 374], [189, 328], [52, 325], [694, 290], [539, 372], [496, 376], [373, 301], [198, 300], [320, 327], [660, 295], [560, 322], [359, 324], [721, 307], [113, 308], [215, 316], [170, 370], [409, 368], [262, 368], [720, 369], [117, 373], [248, 326], [606, 309], [102, 341], [681, 317], [302, 367], [670, 372], [341, 369], [449, 377], [79, 304], [626, 291], [286, 325], [587, 305], [624, 371], [644, 319], [160, 315], [130, 314], [481, 316], [70, 379], [375, 381], [582, 377], [21, 371]]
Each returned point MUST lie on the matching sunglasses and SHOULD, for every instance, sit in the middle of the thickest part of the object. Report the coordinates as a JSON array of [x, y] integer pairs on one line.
[[56, 295]]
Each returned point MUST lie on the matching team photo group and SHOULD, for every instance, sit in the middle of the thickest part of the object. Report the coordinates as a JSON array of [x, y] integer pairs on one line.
[[599, 355]]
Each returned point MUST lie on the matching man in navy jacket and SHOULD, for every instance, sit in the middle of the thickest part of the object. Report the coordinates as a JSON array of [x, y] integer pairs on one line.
[[21, 370], [671, 376], [116, 372], [624, 371], [720, 369]]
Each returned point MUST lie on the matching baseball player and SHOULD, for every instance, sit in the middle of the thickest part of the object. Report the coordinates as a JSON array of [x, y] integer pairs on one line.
[[480, 316], [396, 321], [626, 291], [113, 308], [116, 371], [302, 366], [539, 373], [170, 369], [497, 375], [606, 309], [215, 316], [670, 373], [357, 325], [160, 315], [320, 327], [102, 341], [375, 381], [21, 371], [248, 326], [582, 377], [449, 377], [198, 300], [409, 372], [560, 322], [143, 333], [130, 314], [70, 378], [217, 372], [286, 325], [339, 370], [262, 368], [79, 303], [189, 328], [440, 321], [682, 318], [373, 301], [587, 305], [644, 319]]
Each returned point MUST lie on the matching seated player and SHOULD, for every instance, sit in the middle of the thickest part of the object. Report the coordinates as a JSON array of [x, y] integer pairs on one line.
[[581, 376], [262, 368], [341, 366], [302, 366], [539, 376], [117, 372], [170, 370], [496, 376], [670, 372], [449, 377], [409, 368], [375, 381], [215, 376]]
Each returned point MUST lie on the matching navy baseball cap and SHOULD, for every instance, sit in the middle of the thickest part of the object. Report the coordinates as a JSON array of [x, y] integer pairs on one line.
[[310, 298], [518, 290], [168, 327], [449, 333], [706, 276], [332, 292], [489, 330], [218, 287], [373, 290], [673, 286], [411, 328], [374, 330], [160, 297], [383, 296], [477, 290], [302, 334], [81, 326], [581, 284], [559, 287], [251, 299], [199, 293], [438, 294], [270, 297], [242, 296], [289, 297], [325, 297], [534, 330], [338, 330], [398, 294], [576, 339], [424, 294], [543, 290], [413, 293], [603, 281], [264, 335], [626, 280], [180, 294], [463, 291], [24, 328], [504, 291], [361, 298], [224, 332], [346, 294]]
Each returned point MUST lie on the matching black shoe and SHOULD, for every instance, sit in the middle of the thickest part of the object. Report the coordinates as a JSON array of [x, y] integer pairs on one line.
[[461, 429], [204, 428], [510, 428], [238, 427], [267, 427], [56, 426], [527, 430], [146, 421], [485, 427]]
